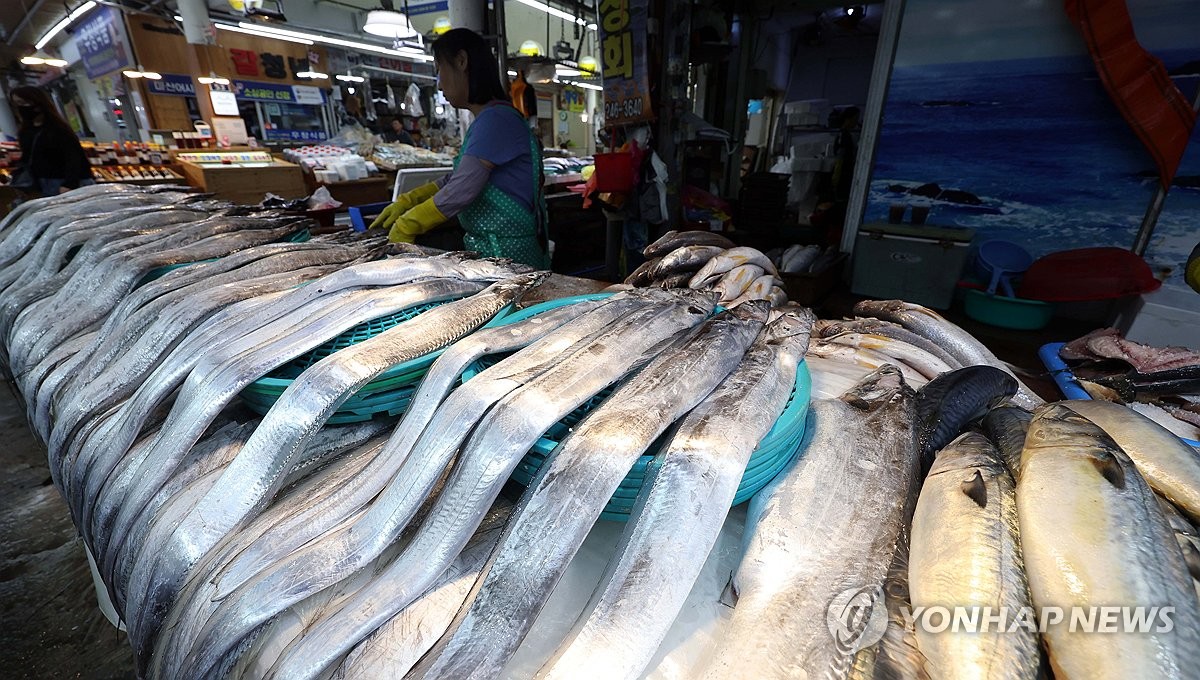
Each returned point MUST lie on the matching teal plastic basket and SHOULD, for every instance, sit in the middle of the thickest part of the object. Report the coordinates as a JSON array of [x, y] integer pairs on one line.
[[774, 452], [296, 237], [388, 393]]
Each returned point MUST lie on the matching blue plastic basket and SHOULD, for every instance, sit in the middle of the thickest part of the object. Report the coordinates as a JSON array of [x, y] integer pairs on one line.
[[1066, 381], [777, 448]]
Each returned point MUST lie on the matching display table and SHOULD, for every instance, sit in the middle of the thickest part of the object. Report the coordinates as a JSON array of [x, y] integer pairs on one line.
[[242, 177], [377, 189]]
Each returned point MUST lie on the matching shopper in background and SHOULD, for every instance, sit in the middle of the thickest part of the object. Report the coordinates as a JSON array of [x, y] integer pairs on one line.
[[397, 133], [495, 188], [52, 160]]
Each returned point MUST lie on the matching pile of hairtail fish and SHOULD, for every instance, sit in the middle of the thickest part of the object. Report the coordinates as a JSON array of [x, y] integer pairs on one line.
[[281, 546]]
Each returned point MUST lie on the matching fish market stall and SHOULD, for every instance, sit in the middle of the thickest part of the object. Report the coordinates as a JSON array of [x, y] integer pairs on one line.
[[341, 457], [242, 176]]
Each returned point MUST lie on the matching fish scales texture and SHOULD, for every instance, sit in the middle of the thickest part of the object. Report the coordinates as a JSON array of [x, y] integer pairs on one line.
[[253, 477], [1171, 467], [680, 512], [503, 435], [966, 552], [953, 339], [572, 488], [1093, 534], [829, 524]]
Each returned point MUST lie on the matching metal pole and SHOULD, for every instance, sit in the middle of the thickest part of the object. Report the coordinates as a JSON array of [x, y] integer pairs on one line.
[[881, 75], [1150, 220]]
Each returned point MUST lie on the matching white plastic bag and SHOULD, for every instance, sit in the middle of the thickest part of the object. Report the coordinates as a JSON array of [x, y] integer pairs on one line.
[[322, 200], [412, 101]]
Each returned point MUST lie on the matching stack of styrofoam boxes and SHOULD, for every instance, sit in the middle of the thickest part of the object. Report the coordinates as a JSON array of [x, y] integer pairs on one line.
[[812, 154], [330, 164], [807, 113]]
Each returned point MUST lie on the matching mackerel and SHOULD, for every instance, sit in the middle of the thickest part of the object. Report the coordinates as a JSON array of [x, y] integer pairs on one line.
[[966, 552], [1092, 535], [1169, 466]]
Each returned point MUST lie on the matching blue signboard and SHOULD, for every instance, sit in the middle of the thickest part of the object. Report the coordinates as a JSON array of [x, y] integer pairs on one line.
[[427, 7], [263, 92], [296, 135], [101, 42], [172, 84]]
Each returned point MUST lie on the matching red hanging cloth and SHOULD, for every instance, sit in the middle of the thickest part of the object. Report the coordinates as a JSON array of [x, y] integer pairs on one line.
[[1136, 81]]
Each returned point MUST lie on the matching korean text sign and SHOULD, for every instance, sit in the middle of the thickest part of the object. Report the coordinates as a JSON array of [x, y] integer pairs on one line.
[[101, 42], [626, 71]]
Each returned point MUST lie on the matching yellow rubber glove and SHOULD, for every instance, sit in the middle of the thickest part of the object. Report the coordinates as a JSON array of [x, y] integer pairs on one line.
[[423, 217], [403, 203], [1191, 271]]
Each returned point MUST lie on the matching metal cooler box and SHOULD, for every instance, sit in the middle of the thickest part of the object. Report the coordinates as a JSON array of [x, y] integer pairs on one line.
[[917, 263]]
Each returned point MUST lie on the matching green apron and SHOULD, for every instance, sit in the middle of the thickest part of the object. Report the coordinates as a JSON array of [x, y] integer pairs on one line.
[[498, 225]]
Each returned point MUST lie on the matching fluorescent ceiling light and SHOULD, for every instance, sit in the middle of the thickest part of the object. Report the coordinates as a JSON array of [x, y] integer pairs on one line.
[[213, 80], [272, 32], [312, 75], [512, 74], [261, 34], [565, 71], [32, 61], [148, 75], [586, 86], [349, 78], [178, 18], [389, 24], [555, 12], [79, 11]]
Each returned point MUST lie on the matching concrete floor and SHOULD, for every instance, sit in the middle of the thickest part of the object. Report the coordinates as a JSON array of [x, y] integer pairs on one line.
[[50, 625]]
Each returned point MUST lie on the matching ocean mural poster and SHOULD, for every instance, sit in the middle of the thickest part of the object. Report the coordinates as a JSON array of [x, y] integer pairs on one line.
[[996, 119]]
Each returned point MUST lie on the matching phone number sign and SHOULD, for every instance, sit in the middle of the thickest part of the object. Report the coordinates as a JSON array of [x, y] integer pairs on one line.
[[626, 69]]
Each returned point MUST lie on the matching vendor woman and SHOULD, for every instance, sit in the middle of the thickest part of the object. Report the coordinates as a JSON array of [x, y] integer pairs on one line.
[[495, 187]]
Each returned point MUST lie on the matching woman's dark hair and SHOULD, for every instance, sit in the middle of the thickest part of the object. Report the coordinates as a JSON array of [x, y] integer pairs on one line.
[[483, 72], [38, 98]]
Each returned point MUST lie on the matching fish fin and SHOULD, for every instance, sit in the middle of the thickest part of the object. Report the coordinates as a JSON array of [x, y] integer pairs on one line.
[[729, 595], [976, 490], [1110, 468]]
